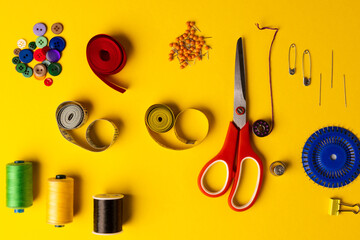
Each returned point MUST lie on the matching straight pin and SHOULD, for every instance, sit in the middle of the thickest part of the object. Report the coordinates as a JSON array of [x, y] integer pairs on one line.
[[332, 67], [320, 92], [345, 91]]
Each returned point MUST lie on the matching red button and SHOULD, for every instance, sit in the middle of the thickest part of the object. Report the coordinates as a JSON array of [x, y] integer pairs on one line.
[[45, 49], [39, 55], [48, 82]]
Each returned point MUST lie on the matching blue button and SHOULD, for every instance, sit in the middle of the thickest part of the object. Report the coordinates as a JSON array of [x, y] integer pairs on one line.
[[26, 55], [57, 43]]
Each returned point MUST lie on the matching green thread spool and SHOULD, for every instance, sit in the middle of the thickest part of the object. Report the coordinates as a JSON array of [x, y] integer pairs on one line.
[[19, 185]]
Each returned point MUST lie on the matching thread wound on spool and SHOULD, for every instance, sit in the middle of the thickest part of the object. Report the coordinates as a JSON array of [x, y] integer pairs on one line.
[[60, 204], [108, 211], [19, 185]]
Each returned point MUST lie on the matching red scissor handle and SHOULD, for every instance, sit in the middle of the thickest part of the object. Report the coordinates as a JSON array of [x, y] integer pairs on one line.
[[226, 156], [245, 151]]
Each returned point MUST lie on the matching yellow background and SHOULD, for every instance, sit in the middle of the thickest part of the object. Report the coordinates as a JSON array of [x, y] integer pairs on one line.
[[162, 198]]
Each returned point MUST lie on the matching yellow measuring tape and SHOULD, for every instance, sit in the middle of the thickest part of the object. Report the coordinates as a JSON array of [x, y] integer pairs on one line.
[[190, 127], [72, 115]]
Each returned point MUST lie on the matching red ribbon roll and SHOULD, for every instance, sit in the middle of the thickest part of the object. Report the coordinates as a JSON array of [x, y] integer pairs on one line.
[[106, 57]]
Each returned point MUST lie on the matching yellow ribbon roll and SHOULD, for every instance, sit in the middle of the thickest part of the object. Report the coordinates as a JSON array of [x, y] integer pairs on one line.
[[190, 127]]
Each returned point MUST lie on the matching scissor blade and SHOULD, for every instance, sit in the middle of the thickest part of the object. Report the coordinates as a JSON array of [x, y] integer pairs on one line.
[[239, 89]]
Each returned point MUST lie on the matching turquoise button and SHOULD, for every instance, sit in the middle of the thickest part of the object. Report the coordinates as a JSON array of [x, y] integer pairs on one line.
[[28, 72], [46, 63], [41, 42]]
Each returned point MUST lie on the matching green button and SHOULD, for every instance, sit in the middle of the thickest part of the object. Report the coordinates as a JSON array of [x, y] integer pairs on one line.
[[21, 67], [46, 63], [28, 72], [54, 69], [32, 45], [41, 42], [16, 60]]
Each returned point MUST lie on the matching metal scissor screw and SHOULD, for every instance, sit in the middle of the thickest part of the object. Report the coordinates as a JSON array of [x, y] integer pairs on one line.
[[240, 110]]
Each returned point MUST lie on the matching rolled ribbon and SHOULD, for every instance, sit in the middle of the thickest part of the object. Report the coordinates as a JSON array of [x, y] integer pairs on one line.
[[160, 119], [106, 57], [72, 115]]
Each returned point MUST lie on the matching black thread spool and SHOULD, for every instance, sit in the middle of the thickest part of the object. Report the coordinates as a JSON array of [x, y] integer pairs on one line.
[[261, 128], [108, 211]]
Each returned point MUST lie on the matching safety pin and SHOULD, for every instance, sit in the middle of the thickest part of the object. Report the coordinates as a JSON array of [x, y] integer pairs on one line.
[[335, 204], [292, 70], [307, 80]]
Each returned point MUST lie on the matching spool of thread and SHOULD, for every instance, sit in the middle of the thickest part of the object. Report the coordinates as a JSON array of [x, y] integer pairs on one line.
[[277, 168], [108, 211], [60, 204], [19, 185]]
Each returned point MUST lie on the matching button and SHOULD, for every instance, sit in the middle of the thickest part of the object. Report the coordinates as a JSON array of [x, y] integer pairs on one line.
[[21, 43], [21, 67], [39, 55], [55, 69], [40, 70], [53, 55], [57, 28], [39, 78], [16, 60], [41, 42], [46, 63], [17, 51], [45, 49], [32, 45], [28, 72], [57, 43], [39, 29], [26, 55], [48, 82]]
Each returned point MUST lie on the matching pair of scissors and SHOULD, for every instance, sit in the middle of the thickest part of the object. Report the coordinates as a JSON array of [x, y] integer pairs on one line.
[[237, 147]]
